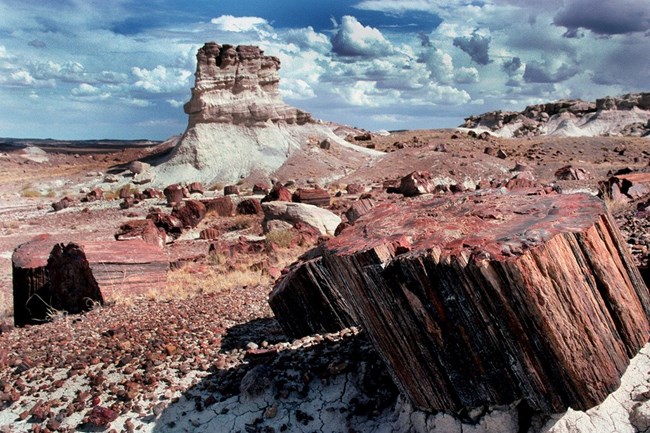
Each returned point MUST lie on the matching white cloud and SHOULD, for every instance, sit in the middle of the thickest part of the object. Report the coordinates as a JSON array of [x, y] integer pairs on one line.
[[22, 78], [297, 89], [175, 103], [230, 23], [353, 39], [466, 75], [161, 79]]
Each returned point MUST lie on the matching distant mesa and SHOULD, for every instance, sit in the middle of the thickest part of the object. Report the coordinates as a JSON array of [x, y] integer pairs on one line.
[[238, 123], [626, 115]]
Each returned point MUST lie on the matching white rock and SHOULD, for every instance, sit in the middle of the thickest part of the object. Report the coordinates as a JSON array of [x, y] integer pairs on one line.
[[322, 219]]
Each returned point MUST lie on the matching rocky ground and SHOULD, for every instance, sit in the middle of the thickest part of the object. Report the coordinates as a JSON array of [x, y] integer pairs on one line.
[[215, 359]]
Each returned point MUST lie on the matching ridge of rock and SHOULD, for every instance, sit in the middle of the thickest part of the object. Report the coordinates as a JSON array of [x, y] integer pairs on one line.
[[626, 115]]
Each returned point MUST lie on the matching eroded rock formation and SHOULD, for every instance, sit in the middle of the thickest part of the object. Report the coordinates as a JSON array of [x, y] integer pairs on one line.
[[484, 299], [238, 123], [627, 115], [238, 85]]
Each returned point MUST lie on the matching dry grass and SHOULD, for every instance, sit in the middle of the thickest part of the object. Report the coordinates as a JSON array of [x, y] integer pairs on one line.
[[221, 274], [280, 238], [29, 192]]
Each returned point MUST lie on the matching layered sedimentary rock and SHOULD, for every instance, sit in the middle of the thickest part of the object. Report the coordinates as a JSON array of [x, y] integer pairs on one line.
[[485, 299], [238, 85], [119, 269], [627, 115], [238, 123]]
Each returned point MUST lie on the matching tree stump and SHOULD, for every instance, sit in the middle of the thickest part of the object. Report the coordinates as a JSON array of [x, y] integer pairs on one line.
[[121, 270], [314, 196], [484, 299]]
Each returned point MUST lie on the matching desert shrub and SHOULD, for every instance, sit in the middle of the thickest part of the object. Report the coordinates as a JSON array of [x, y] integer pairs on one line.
[[280, 238], [216, 186], [240, 222], [29, 192]]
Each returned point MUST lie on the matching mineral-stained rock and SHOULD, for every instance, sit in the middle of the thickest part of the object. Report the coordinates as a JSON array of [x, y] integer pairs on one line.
[[62, 204], [358, 209], [314, 196], [278, 193], [141, 229], [250, 206], [120, 269], [174, 194], [170, 224], [416, 183], [195, 188], [190, 213], [222, 206], [209, 234], [293, 213], [260, 188], [627, 186], [569, 172], [484, 299], [230, 190]]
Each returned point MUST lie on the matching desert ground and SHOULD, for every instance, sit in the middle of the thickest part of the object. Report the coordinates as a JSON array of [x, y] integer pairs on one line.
[[195, 354]]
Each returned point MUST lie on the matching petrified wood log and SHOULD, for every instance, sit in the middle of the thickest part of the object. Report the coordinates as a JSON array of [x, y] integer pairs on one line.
[[121, 269], [485, 299], [314, 196], [306, 303]]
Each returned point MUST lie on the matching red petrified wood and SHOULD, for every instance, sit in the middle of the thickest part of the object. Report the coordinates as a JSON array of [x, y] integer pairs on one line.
[[486, 299], [121, 269]]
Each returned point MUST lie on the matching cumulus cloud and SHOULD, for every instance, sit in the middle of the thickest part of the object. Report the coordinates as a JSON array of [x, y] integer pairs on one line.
[[308, 39], [161, 79], [297, 89], [477, 46], [353, 39], [90, 92], [611, 17], [466, 75], [512, 66], [229, 23], [439, 64], [537, 72]]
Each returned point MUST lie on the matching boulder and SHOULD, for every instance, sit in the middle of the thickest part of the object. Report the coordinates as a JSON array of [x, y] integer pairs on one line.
[[486, 299], [174, 194], [190, 213], [569, 172], [231, 190], [278, 193], [321, 219], [65, 202], [141, 229], [171, 225], [137, 167], [222, 206], [250, 206], [416, 183]]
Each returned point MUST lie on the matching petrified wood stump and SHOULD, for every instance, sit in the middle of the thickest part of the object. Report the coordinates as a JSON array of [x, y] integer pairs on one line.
[[121, 269], [305, 303], [487, 299]]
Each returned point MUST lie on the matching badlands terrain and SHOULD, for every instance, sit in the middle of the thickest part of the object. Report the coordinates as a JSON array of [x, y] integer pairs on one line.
[[184, 339]]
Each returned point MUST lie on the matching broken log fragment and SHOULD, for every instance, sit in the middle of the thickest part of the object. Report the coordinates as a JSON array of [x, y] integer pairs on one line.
[[306, 303], [121, 270], [484, 299]]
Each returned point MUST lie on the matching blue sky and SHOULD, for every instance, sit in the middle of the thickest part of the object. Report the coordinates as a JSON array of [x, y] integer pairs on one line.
[[75, 69]]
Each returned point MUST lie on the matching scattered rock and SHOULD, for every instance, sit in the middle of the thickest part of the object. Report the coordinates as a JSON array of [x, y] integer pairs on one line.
[[322, 219]]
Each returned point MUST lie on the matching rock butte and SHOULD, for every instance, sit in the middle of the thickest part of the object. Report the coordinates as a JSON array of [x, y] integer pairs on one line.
[[481, 299], [238, 122]]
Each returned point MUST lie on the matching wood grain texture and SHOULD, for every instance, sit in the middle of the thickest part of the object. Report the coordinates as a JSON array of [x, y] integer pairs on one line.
[[485, 299]]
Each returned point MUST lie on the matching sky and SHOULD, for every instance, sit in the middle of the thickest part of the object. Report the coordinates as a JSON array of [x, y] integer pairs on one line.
[[122, 69]]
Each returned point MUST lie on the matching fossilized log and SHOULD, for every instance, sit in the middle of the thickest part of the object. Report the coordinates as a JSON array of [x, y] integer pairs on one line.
[[121, 269], [306, 303], [485, 299]]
